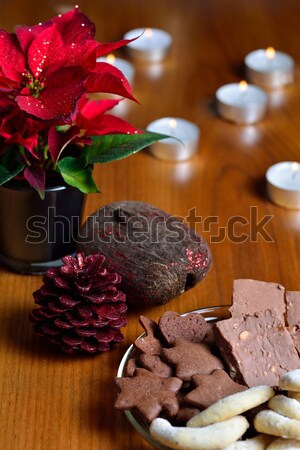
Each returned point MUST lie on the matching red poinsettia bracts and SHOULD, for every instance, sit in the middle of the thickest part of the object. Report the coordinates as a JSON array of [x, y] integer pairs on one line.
[[49, 67], [46, 72]]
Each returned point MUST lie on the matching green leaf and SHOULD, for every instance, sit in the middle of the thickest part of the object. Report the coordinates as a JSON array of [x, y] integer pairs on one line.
[[111, 147], [76, 172], [6, 175]]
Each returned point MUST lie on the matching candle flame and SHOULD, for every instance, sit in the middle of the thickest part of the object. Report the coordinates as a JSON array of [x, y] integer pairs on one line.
[[172, 123], [110, 59], [270, 52], [243, 85], [148, 32]]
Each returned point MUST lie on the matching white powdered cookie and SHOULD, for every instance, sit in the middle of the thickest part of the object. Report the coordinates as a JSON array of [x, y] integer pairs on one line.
[[290, 381], [295, 395], [288, 407], [270, 422], [206, 438], [231, 406], [259, 442], [284, 444]]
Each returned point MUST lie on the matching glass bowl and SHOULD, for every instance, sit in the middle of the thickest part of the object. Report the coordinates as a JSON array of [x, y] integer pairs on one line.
[[211, 314]]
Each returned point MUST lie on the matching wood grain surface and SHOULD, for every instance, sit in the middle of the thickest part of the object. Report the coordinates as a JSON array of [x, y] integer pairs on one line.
[[51, 401]]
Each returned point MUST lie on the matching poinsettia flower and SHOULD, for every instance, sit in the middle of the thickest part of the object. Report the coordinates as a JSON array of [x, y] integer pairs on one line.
[[49, 67], [17, 128], [91, 119], [46, 73], [77, 33]]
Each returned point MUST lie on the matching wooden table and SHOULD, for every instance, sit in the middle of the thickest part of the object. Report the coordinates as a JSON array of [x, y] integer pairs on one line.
[[51, 401]]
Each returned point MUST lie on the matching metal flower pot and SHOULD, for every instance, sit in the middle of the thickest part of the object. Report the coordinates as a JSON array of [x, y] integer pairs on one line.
[[35, 233]]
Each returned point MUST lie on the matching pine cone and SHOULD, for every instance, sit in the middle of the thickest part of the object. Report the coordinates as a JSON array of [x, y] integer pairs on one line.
[[81, 308]]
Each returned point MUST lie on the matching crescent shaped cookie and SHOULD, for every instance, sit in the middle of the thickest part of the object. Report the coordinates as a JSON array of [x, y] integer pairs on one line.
[[231, 406]]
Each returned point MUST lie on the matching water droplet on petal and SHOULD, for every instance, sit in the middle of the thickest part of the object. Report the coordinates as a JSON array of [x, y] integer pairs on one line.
[[40, 23], [76, 6], [59, 15], [83, 24]]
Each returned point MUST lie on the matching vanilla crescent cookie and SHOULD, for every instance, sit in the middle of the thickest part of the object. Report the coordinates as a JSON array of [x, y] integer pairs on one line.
[[259, 442], [270, 422], [231, 406], [295, 395], [288, 407], [290, 381], [206, 438], [284, 444]]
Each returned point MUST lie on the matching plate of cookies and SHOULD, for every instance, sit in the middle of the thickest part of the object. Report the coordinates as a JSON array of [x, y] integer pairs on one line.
[[220, 377]]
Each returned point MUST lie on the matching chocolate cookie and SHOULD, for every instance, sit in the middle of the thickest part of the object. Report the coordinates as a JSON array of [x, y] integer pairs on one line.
[[191, 327], [191, 358], [130, 367], [154, 364], [211, 388], [149, 343], [135, 394]]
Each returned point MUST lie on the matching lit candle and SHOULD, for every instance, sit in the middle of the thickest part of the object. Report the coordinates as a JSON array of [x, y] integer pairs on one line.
[[124, 66], [185, 144], [269, 68], [241, 102], [283, 184], [152, 44]]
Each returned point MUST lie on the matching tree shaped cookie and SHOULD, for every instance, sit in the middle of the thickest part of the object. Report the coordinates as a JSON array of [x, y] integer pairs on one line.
[[150, 342], [148, 394], [211, 388], [191, 358]]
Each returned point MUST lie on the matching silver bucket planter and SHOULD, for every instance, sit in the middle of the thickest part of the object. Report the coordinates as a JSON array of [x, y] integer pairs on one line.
[[35, 234]]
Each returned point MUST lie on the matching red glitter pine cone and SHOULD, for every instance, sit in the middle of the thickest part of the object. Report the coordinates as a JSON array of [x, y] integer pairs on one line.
[[82, 309]]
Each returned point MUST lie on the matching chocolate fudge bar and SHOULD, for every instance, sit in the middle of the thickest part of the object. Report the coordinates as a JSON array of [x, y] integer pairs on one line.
[[252, 296], [256, 348]]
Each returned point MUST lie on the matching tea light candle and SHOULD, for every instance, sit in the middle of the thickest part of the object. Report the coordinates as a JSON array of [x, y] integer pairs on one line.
[[283, 184], [171, 149], [241, 102], [269, 68], [124, 66], [152, 44]]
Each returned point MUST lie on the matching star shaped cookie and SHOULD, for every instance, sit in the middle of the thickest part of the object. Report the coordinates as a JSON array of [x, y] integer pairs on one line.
[[191, 358], [211, 388], [135, 394]]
